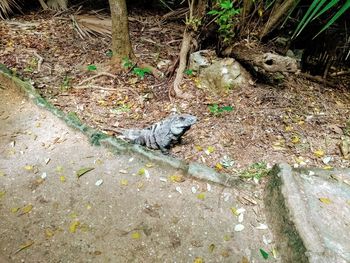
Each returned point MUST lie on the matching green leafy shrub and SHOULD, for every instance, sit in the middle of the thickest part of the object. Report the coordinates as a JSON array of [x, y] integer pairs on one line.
[[225, 18], [216, 110], [140, 72]]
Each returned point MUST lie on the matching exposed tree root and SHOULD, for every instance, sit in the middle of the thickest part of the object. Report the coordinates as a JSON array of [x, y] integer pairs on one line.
[[185, 48]]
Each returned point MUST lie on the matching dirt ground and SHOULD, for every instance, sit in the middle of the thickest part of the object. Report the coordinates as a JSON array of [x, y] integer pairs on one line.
[[124, 210], [301, 122]]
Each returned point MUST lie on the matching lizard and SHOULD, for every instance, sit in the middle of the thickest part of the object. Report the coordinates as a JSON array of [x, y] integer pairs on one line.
[[163, 134]]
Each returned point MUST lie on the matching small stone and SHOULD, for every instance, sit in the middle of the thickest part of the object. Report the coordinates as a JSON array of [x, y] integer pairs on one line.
[[194, 189], [239, 227], [99, 182], [178, 189]]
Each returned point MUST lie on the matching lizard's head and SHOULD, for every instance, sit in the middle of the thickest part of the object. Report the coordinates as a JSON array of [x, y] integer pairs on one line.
[[181, 123]]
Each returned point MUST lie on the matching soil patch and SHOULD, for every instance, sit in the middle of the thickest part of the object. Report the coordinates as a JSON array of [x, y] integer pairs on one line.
[[300, 123]]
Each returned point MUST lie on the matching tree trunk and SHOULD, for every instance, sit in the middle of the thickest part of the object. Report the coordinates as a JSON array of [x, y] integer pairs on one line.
[[121, 45], [277, 14]]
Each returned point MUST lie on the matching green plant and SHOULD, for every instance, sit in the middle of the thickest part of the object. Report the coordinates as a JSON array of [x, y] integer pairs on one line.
[[189, 72], [91, 67], [316, 9], [66, 83], [109, 53], [216, 110], [256, 170], [127, 63], [140, 72], [225, 18]]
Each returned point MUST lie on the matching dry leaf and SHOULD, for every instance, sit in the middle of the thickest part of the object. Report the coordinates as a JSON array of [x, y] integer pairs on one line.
[[29, 167], [24, 246], [177, 178], [325, 200], [295, 139], [73, 226], [49, 233], [26, 209], [83, 171], [124, 182], [234, 211], [198, 260], [319, 153], [201, 196], [136, 235], [218, 166]]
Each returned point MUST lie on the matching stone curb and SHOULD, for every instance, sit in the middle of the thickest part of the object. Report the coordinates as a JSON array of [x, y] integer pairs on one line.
[[193, 169], [289, 215]]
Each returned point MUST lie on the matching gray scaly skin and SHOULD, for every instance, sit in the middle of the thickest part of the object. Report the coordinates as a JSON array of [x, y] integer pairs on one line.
[[162, 135]]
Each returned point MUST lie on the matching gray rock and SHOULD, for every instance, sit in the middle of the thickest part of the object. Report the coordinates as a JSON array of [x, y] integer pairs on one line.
[[224, 75], [201, 59]]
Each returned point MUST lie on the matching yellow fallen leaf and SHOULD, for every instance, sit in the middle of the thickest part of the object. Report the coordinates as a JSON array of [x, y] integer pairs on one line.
[[348, 202], [49, 233], [2, 173], [149, 165], [244, 260], [279, 145], [201, 196], [295, 139], [73, 226], [141, 171], [327, 167], [124, 182], [88, 207], [234, 211], [198, 260], [218, 166], [26, 209], [227, 237], [177, 178], [198, 148], [288, 128], [319, 153], [274, 252], [2, 194], [83, 171], [301, 122], [62, 178], [102, 102], [210, 150], [29, 167], [136, 235], [98, 162], [325, 200], [14, 209]]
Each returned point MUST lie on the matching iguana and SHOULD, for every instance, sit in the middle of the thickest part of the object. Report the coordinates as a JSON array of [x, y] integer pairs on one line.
[[161, 135]]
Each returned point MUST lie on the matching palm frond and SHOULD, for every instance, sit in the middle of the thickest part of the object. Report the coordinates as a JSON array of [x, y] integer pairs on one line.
[[314, 12], [6, 7]]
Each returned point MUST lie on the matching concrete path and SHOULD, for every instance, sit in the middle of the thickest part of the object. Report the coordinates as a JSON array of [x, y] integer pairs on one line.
[[127, 209], [310, 212]]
